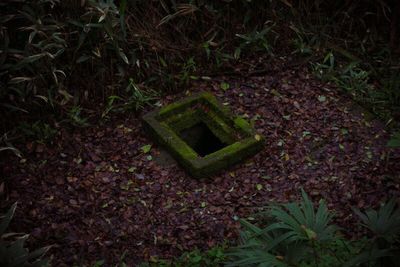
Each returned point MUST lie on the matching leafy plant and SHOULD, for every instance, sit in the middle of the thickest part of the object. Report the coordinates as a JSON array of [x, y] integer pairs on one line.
[[12, 250], [256, 40], [384, 223], [353, 79], [39, 130], [297, 233], [302, 44], [394, 140], [389, 93], [47, 47], [212, 257], [110, 106], [301, 47], [326, 69], [186, 74], [5, 145], [195, 258], [384, 247], [137, 99], [75, 117]]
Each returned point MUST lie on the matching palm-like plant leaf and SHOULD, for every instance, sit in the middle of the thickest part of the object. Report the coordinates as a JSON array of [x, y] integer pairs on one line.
[[369, 257], [302, 220], [385, 222], [7, 218], [289, 237], [381, 250], [12, 252]]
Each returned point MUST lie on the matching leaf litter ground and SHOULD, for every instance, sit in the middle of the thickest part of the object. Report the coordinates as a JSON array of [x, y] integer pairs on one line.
[[102, 191]]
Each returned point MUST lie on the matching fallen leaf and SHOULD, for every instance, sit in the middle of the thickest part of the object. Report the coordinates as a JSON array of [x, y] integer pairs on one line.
[[224, 86], [146, 148]]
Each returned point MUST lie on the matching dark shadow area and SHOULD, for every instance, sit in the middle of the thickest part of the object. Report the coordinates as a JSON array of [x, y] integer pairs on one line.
[[201, 139]]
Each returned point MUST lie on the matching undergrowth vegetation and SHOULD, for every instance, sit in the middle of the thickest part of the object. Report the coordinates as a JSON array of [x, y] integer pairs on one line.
[[60, 58], [72, 63], [301, 235], [12, 246]]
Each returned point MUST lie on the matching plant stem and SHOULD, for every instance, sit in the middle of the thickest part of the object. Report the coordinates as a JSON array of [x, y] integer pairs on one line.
[[315, 253]]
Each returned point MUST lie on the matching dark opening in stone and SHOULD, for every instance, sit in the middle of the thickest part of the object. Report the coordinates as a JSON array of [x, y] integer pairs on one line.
[[201, 139]]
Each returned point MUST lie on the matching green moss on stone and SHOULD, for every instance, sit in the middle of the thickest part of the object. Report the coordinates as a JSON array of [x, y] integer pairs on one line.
[[242, 124], [164, 126]]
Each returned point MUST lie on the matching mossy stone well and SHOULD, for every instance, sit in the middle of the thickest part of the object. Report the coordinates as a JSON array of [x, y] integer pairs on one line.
[[202, 135]]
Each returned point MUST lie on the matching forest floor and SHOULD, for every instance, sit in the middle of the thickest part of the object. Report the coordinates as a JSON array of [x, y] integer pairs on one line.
[[94, 193]]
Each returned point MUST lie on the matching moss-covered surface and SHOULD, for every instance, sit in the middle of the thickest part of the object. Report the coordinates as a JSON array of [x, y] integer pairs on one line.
[[165, 125]]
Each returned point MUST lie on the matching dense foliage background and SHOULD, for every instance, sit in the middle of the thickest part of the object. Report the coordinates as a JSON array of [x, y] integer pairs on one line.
[[65, 61], [75, 63]]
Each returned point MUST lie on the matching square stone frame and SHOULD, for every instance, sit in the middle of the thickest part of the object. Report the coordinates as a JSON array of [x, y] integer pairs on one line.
[[164, 124]]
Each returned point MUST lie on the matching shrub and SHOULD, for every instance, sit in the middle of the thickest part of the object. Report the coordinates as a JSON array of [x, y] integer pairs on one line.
[[55, 56], [12, 250], [296, 233], [300, 235], [383, 248]]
